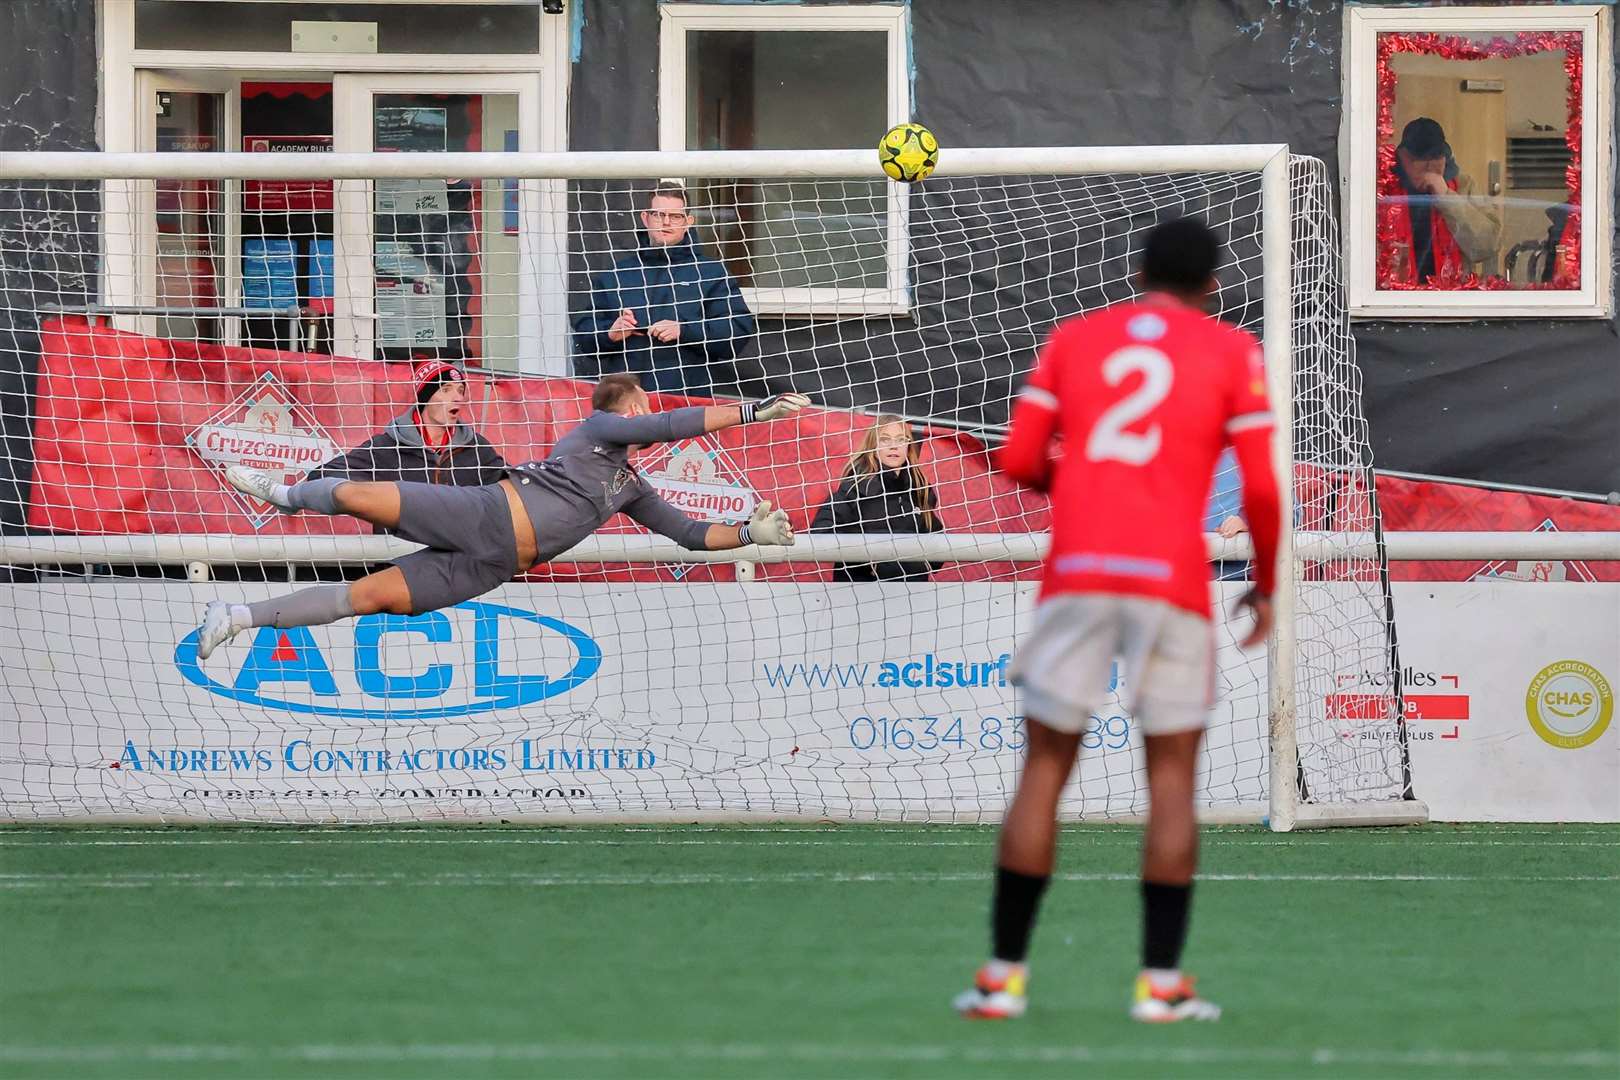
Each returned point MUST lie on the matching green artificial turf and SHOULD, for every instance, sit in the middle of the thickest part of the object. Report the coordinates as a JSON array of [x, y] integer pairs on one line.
[[1441, 951]]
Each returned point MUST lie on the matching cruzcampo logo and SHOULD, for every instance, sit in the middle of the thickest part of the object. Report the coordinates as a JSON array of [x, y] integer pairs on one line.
[[1569, 704]]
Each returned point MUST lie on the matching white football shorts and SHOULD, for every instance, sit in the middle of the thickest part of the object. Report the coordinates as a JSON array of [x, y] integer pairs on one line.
[[1167, 654]]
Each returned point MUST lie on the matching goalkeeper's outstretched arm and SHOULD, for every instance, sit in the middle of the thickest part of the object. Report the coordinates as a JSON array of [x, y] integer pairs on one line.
[[638, 426], [766, 526]]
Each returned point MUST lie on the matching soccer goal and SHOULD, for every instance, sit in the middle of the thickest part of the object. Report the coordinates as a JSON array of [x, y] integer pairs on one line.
[[172, 314]]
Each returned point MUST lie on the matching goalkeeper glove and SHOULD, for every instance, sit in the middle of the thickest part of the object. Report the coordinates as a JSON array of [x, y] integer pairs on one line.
[[774, 407], [767, 526]]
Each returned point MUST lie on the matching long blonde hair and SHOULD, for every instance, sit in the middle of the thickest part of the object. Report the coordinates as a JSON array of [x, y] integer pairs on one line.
[[865, 462]]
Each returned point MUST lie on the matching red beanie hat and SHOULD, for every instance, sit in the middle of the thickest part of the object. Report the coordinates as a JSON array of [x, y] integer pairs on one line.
[[429, 375]]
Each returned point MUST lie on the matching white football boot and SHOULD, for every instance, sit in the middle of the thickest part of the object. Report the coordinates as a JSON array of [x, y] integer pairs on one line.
[[260, 485], [217, 628]]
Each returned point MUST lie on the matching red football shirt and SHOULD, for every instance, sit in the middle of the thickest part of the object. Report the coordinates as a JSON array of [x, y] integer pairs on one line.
[[1144, 397]]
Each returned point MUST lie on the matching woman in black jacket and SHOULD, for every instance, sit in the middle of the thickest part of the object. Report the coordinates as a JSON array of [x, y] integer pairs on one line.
[[430, 444], [882, 491]]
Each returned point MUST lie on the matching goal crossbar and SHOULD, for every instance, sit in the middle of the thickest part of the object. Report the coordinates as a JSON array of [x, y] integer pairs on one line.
[[630, 165]]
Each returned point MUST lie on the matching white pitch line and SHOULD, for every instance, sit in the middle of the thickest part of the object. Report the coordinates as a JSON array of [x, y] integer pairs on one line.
[[452, 879], [1418, 834], [839, 1052], [675, 840]]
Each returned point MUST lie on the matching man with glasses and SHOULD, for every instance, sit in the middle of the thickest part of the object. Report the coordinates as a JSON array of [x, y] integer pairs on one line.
[[666, 312]]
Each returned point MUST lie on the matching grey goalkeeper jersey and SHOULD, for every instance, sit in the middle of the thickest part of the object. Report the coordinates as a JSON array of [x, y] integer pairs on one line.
[[587, 478]]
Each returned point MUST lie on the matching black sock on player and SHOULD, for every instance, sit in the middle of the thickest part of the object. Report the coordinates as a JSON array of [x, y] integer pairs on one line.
[[1012, 913], [1164, 924]]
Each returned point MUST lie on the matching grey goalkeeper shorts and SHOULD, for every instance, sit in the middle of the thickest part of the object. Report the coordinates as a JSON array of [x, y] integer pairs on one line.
[[470, 546]]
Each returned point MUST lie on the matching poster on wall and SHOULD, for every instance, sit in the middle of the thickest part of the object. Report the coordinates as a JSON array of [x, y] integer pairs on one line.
[[411, 308], [287, 196], [410, 128]]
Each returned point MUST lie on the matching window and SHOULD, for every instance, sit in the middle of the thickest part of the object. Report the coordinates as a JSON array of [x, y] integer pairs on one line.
[[1475, 150], [251, 26], [455, 275], [736, 78]]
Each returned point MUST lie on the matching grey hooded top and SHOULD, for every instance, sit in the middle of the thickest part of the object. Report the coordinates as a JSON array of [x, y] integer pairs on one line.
[[397, 452]]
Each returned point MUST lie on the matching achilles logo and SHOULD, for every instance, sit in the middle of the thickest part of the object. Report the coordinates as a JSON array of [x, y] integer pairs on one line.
[[1410, 677], [264, 428]]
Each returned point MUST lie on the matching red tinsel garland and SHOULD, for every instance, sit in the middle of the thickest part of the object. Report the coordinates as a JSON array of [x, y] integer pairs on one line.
[[1568, 271]]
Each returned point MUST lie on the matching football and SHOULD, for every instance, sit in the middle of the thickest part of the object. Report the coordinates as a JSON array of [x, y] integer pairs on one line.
[[908, 152]]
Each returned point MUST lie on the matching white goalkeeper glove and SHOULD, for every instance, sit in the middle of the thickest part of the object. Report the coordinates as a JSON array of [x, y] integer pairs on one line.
[[774, 407], [767, 526]]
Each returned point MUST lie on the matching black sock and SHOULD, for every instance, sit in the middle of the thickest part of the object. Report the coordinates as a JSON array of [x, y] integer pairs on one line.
[[1164, 923], [1012, 914]]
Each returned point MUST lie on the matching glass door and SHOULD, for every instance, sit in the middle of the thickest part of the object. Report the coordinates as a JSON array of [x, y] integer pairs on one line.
[[438, 267], [184, 234]]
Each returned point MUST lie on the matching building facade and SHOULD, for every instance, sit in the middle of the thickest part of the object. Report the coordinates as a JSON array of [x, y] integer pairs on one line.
[[1453, 385]]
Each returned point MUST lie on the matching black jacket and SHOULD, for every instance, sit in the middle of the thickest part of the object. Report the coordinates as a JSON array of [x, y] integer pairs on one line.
[[398, 453], [880, 502]]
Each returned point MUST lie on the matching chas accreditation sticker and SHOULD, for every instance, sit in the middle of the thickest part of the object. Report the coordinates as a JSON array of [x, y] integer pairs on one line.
[[1569, 704]]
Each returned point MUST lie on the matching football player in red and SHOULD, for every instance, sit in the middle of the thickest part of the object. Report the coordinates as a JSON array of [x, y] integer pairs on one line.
[[1122, 421]]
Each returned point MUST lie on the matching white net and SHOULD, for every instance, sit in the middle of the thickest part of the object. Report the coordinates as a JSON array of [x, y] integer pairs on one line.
[[162, 330]]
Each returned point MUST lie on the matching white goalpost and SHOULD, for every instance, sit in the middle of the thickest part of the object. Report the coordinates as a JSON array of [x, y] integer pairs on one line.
[[173, 313]]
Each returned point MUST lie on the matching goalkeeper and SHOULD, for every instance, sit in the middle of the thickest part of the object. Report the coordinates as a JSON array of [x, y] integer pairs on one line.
[[477, 538]]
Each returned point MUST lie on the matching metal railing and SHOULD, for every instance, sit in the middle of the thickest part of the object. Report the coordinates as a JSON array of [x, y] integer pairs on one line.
[[292, 313]]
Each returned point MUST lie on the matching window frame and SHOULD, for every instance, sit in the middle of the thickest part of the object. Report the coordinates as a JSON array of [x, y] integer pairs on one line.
[[676, 20], [1358, 160], [125, 70]]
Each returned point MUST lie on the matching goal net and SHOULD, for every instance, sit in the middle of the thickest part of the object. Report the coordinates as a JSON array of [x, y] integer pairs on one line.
[[166, 316]]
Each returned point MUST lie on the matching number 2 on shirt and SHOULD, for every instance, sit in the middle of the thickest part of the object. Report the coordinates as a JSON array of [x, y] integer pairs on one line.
[[1109, 440]]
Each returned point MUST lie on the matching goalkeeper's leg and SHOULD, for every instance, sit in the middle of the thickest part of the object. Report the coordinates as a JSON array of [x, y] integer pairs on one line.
[[378, 503], [479, 539]]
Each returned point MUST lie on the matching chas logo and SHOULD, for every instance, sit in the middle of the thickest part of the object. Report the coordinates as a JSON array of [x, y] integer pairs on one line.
[[1569, 704], [288, 670]]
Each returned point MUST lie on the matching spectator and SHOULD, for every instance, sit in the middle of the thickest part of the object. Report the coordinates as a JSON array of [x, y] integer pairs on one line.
[[882, 491], [667, 313], [1223, 514], [430, 444], [1441, 231]]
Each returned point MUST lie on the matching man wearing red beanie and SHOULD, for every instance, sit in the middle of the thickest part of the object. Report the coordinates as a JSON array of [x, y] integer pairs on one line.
[[431, 443]]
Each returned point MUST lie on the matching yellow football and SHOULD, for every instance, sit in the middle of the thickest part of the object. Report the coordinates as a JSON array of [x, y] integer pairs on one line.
[[908, 152]]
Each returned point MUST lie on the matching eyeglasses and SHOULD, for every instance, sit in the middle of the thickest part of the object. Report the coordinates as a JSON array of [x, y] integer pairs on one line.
[[666, 217]]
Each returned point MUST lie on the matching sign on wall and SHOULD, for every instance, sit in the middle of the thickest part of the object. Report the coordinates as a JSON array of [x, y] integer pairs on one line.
[[1510, 698], [846, 700], [887, 700]]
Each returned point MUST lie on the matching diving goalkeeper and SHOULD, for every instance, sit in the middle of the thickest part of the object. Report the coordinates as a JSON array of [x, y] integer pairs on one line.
[[477, 538]]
